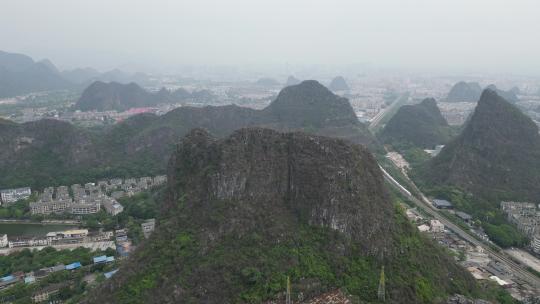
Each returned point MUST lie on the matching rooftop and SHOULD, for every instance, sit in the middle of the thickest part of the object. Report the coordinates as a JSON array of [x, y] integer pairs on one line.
[[442, 203]]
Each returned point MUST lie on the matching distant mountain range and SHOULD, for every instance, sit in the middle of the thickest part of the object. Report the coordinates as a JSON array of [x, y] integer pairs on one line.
[[338, 84], [464, 91], [496, 156], [21, 75], [258, 207], [267, 82], [471, 91], [292, 81], [510, 96], [421, 125], [101, 96], [143, 143]]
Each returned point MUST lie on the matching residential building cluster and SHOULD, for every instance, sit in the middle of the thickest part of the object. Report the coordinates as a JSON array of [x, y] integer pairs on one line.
[[469, 256], [526, 217], [92, 197], [9, 196]]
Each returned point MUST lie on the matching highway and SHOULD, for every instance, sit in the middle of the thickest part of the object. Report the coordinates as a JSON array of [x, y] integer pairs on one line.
[[377, 119], [517, 270]]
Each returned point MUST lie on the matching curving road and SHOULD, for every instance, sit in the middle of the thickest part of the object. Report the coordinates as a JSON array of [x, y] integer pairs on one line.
[[517, 269]]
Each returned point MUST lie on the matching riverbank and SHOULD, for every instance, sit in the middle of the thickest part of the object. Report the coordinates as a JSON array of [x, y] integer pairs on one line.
[[32, 229], [44, 222]]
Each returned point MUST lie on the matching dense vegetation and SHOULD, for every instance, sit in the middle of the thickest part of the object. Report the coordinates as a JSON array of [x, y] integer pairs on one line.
[[486, 214], [240, 244], [420, 125], [137, 209], [49, 153], [73, 283], [31, 260], [495, 158]]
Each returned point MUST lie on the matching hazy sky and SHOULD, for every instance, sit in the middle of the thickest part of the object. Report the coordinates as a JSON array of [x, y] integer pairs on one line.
[[472, 35]]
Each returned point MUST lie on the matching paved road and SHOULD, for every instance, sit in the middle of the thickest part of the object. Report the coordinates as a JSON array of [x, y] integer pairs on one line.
[[377, 119], [517, 270]]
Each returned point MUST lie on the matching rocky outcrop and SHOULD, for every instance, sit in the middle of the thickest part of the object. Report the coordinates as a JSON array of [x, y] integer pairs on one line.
[[246, 211], [464, 92], [115, 96], [145, 142], [338, 84], [304, 173], [421, 125], [496, 155]]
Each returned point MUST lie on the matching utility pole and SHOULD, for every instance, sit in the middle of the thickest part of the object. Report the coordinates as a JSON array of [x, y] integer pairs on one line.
[[288, 296], [381, 292]]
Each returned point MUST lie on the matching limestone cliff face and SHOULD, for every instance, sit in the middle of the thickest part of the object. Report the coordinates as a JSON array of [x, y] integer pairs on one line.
[[496, 156], [43, 145], [317, 180], [244, 212]]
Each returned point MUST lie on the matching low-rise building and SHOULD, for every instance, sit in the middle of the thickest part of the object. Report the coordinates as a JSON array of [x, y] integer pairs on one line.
[[121, 235], [28, 242], [148, 227], [12, 195], [112, 206], [464, 216], [442, 204], [50, 206], [3, 241], [524, 215], [436, 226], [85, 208], [7, 281], [535, 243]]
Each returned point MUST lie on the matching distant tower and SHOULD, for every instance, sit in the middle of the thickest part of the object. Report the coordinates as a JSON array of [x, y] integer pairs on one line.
[[381, 292], [288, 296]]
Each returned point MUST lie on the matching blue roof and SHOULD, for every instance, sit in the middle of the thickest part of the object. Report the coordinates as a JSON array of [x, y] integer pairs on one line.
[[110, 259], [110, 273], [100, 259], [7, 278], [73, 266]]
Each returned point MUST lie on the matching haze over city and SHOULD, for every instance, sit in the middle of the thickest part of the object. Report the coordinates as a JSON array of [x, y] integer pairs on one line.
[[455, 36], [274, 152]]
